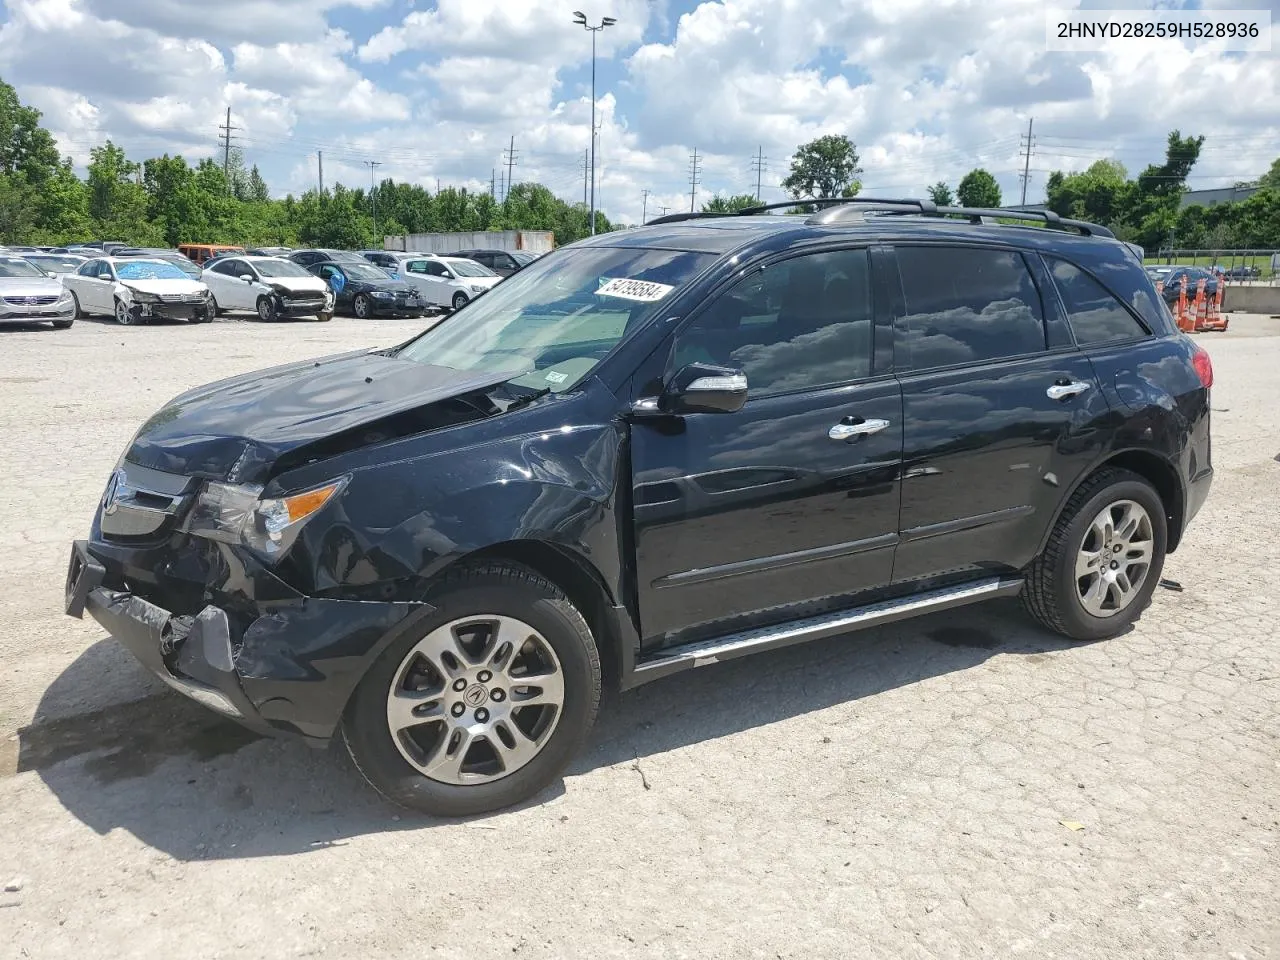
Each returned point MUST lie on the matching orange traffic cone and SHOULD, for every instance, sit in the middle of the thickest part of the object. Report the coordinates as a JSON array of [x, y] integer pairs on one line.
[[1183, 315]]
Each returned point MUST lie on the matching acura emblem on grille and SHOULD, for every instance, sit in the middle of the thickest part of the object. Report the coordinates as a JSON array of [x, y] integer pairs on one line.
[[111, 496]]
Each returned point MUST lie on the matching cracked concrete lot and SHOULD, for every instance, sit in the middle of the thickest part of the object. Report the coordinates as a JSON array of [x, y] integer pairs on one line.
[[959, 786]]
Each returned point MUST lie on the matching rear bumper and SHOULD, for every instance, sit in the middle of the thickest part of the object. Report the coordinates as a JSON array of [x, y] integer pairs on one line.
[[289, 672], [1197, 493]]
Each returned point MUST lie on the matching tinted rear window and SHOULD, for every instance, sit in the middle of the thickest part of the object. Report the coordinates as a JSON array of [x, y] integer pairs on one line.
[[1095, 315], [966, 305]]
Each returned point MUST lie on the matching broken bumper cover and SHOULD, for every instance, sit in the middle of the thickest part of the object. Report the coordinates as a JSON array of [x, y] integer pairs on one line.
[[290, 671], [187, 310]]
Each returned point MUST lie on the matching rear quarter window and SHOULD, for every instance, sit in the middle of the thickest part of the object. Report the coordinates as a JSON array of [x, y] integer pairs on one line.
[[1095, 315]]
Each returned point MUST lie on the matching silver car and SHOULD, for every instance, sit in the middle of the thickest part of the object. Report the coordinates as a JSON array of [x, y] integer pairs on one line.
[[29, 294], [58, 264]]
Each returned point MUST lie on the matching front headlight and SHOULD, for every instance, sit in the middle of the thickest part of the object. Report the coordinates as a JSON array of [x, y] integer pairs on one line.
[[475, 288], [64, 296], [383, 295], [141, 296], [236, 513]]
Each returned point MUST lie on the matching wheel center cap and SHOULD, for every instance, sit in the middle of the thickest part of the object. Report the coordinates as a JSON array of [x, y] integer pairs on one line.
[[475, 695]]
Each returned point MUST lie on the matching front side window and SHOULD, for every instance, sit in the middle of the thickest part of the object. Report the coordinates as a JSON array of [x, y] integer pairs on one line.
[[225, 266], [435, 268], [797, 324], [416, 266], [549, 325], [1095, 315], [91, 269], [966, 305]]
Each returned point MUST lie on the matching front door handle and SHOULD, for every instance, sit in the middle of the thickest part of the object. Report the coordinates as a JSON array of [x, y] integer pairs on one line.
[[852, 430], [1064, 391]]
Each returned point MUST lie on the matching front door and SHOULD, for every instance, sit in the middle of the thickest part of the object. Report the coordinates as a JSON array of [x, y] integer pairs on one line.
[[94, 292], [1001, 412], [794, 498]]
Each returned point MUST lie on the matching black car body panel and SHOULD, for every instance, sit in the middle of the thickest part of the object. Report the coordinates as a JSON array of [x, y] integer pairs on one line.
[[385, 296], [664, 529]]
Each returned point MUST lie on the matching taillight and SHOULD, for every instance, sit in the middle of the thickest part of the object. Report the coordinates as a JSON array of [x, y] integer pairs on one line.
[[1204, 366]]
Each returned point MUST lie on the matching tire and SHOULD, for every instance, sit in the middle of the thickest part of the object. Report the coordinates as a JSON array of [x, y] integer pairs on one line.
[[217, 310], [127, 316], [204, 317], [267, 310], [559, 633], [76, 313], [361, 306], [64, 324], [1053, 593], [324, 316], [460, 300]]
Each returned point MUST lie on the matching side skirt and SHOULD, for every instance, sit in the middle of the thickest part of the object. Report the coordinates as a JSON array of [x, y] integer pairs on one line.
[[706, 652]]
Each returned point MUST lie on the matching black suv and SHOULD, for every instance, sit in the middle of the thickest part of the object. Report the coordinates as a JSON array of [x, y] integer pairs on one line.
[[650, 451]]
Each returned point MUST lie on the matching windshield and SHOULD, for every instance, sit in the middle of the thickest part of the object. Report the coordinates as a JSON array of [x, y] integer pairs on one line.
[[189, 267], [58, 264], [149, 270], [18, 267], [364, 271], [281, 268], [551, 323], [345, 256], [469, 268], [524, 259]]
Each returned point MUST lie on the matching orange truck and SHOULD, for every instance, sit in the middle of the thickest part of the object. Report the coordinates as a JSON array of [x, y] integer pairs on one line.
[[200, 252]]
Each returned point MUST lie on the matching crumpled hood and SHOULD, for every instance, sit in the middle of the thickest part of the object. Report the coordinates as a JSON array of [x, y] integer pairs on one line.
[[186, 288], [236, 429], [298, 284]]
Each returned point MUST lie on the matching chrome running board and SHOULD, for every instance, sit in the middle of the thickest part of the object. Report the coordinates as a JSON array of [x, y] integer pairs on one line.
[[706, 652]]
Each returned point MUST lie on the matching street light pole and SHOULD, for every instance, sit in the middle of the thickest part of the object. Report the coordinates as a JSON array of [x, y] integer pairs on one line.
[[580, 18]]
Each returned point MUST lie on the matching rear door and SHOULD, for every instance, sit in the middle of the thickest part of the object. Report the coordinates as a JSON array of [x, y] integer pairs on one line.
[[1001, 412], [794, 498]]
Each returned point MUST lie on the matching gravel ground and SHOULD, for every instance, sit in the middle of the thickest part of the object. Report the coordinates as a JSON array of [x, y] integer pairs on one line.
[[952, 787]]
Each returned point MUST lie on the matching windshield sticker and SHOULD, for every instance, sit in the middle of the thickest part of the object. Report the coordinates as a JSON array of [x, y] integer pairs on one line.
[[646, 291], [554, 377]]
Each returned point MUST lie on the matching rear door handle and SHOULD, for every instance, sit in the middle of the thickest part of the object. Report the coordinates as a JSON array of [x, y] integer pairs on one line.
[[851, 430], [1064, 391]]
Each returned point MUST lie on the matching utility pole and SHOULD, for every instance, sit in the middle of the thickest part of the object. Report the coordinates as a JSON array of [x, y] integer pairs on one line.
[[694, 169], [586, 166], [373, 165], [320, 162], [1026, 166], [581, 20], [226, 129], [644, 207], [664, 210], [757, 164], [437, 186], [511, 162], [493, 179]]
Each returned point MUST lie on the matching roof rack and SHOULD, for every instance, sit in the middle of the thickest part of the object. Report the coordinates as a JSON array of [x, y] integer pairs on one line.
[[842, 209]]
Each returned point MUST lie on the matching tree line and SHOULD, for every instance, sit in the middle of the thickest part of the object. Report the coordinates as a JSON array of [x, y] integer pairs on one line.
[[164, 201]]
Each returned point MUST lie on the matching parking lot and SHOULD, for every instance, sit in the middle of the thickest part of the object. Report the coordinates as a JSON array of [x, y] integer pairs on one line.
[[964, 785]]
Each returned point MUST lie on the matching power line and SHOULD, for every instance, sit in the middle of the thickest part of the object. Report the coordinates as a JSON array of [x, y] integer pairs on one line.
[[694, 169], [511, 162], [757, 164], [1029, 144], [373, 191], [226, 129]]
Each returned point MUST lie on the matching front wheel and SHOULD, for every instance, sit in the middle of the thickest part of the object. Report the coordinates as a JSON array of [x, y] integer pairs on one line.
[[362, 307], [127, 316], [484, 703], [324, 316], [63, 324], [459, 301], [76, 312], [267, 309], [1103, 560]]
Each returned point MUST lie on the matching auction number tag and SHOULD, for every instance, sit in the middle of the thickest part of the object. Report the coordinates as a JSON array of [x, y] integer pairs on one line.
[[645, 291]]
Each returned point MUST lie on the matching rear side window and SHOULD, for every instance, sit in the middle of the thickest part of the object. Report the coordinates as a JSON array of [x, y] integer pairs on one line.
[[966, 305], [1095, 315]]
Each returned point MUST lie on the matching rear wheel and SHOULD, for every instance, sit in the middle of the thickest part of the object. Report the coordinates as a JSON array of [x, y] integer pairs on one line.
[[485, 703], [267, 309], [1103, 560], [459, 301]]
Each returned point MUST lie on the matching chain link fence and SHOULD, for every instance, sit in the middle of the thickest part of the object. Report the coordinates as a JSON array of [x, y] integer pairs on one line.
[[1245, 265]]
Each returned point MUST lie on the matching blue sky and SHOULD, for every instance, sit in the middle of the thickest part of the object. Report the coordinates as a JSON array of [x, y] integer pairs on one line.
[[435, 89]]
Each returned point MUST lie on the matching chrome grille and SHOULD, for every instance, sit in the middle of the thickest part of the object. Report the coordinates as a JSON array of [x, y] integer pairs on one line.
[[180, 298], [141, 502], [31, 301]]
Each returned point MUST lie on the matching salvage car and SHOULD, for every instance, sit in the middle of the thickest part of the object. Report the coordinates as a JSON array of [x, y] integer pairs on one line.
[[28, 294], [363, 290], [653, 451], [448, 281], [271, 287], [135, 290]]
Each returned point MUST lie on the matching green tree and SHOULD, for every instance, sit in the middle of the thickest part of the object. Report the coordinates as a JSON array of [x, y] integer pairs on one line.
[[26, 148], [978, 189], [117, 200], [825, 167], [257, 189], [1099, 194], [941, 194], [724, 203], [1271, 179]]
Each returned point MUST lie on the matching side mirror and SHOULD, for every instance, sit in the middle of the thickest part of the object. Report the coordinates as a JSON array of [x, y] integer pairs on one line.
[[105, 275], [704, 388], [246, 278]]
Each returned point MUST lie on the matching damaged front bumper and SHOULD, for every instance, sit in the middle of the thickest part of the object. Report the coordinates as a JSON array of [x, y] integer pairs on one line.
[[291, 671]]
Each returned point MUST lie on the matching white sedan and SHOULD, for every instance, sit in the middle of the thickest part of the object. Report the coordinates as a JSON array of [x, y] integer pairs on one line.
[[271, 287], [135, 290], [447, 281]]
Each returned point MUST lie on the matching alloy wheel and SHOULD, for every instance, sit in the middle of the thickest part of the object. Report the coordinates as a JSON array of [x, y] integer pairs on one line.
[[475, 700], [362, 307], [1114, 558], [124, 314]]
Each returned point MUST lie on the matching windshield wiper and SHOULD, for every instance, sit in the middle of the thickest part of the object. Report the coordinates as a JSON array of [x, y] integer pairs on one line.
[[527, 399]]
